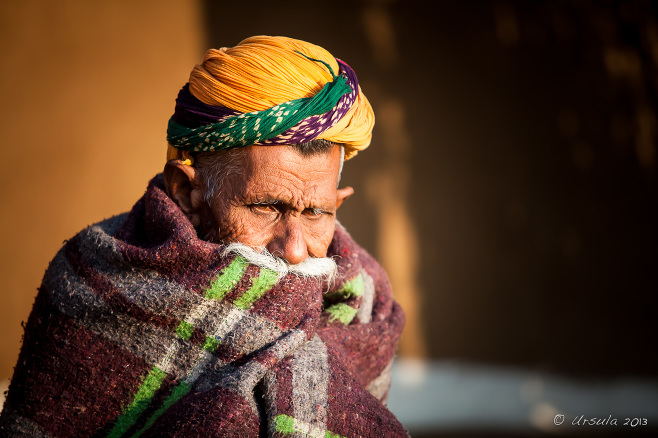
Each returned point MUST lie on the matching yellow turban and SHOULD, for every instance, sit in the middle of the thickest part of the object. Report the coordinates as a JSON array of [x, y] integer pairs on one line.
[[271, 81]]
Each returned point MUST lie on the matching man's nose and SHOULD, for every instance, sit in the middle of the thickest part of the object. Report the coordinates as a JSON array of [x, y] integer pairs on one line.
[[289, 241]]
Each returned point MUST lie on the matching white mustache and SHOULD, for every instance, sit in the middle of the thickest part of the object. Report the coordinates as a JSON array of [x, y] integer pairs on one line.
[[312, 267]]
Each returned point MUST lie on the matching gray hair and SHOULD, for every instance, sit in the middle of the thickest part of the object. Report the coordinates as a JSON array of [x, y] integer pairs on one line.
[[215, 167]]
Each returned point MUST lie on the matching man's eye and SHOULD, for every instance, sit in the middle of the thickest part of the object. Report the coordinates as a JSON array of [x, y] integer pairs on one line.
[[264, 208], [313, 213]]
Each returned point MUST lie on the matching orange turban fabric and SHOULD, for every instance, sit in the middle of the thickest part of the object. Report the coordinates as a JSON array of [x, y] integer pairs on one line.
[[266, 91]]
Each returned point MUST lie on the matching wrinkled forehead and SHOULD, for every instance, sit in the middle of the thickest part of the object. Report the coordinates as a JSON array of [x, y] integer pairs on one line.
[[283, 170]]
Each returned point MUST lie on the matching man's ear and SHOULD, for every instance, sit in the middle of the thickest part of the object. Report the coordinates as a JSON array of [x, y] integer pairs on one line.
[[343, 194], [184, 186]]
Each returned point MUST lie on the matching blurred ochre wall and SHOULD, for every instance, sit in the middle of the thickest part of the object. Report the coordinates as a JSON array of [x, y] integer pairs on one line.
[[86, 89]]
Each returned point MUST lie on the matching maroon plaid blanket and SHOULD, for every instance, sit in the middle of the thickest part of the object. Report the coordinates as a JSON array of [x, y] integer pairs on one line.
[[142, 329]]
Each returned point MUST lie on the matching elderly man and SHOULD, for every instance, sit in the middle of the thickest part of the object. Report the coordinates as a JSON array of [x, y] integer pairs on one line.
[[228, 301]]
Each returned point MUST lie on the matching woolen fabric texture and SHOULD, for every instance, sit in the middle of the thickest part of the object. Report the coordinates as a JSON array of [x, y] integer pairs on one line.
[[140, 328]]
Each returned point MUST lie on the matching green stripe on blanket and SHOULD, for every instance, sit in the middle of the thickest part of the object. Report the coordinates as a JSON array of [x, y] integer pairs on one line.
[[259, 286], [142, 398], [185, 330], [219, 287], [210, 344], [227, 281], [352, 289], [341, 312], [178, 393], [287, 425]]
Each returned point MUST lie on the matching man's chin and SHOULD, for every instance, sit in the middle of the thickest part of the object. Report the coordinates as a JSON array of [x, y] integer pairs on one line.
[[319, 268]]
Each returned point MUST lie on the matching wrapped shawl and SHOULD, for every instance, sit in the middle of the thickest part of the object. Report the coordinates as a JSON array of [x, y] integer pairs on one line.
[[142, 329]]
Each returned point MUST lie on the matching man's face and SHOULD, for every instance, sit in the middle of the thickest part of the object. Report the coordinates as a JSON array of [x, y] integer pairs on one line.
[[282, 201]]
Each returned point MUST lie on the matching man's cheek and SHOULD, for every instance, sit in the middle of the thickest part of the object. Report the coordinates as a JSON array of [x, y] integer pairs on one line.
[[230, 230], [319, 238], [244, 230]]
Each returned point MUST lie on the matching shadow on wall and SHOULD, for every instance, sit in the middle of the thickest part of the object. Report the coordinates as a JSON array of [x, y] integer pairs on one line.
[[510, 189]]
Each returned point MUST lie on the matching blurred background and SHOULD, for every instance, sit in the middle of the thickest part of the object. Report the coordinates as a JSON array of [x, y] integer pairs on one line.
[[510, 190]]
